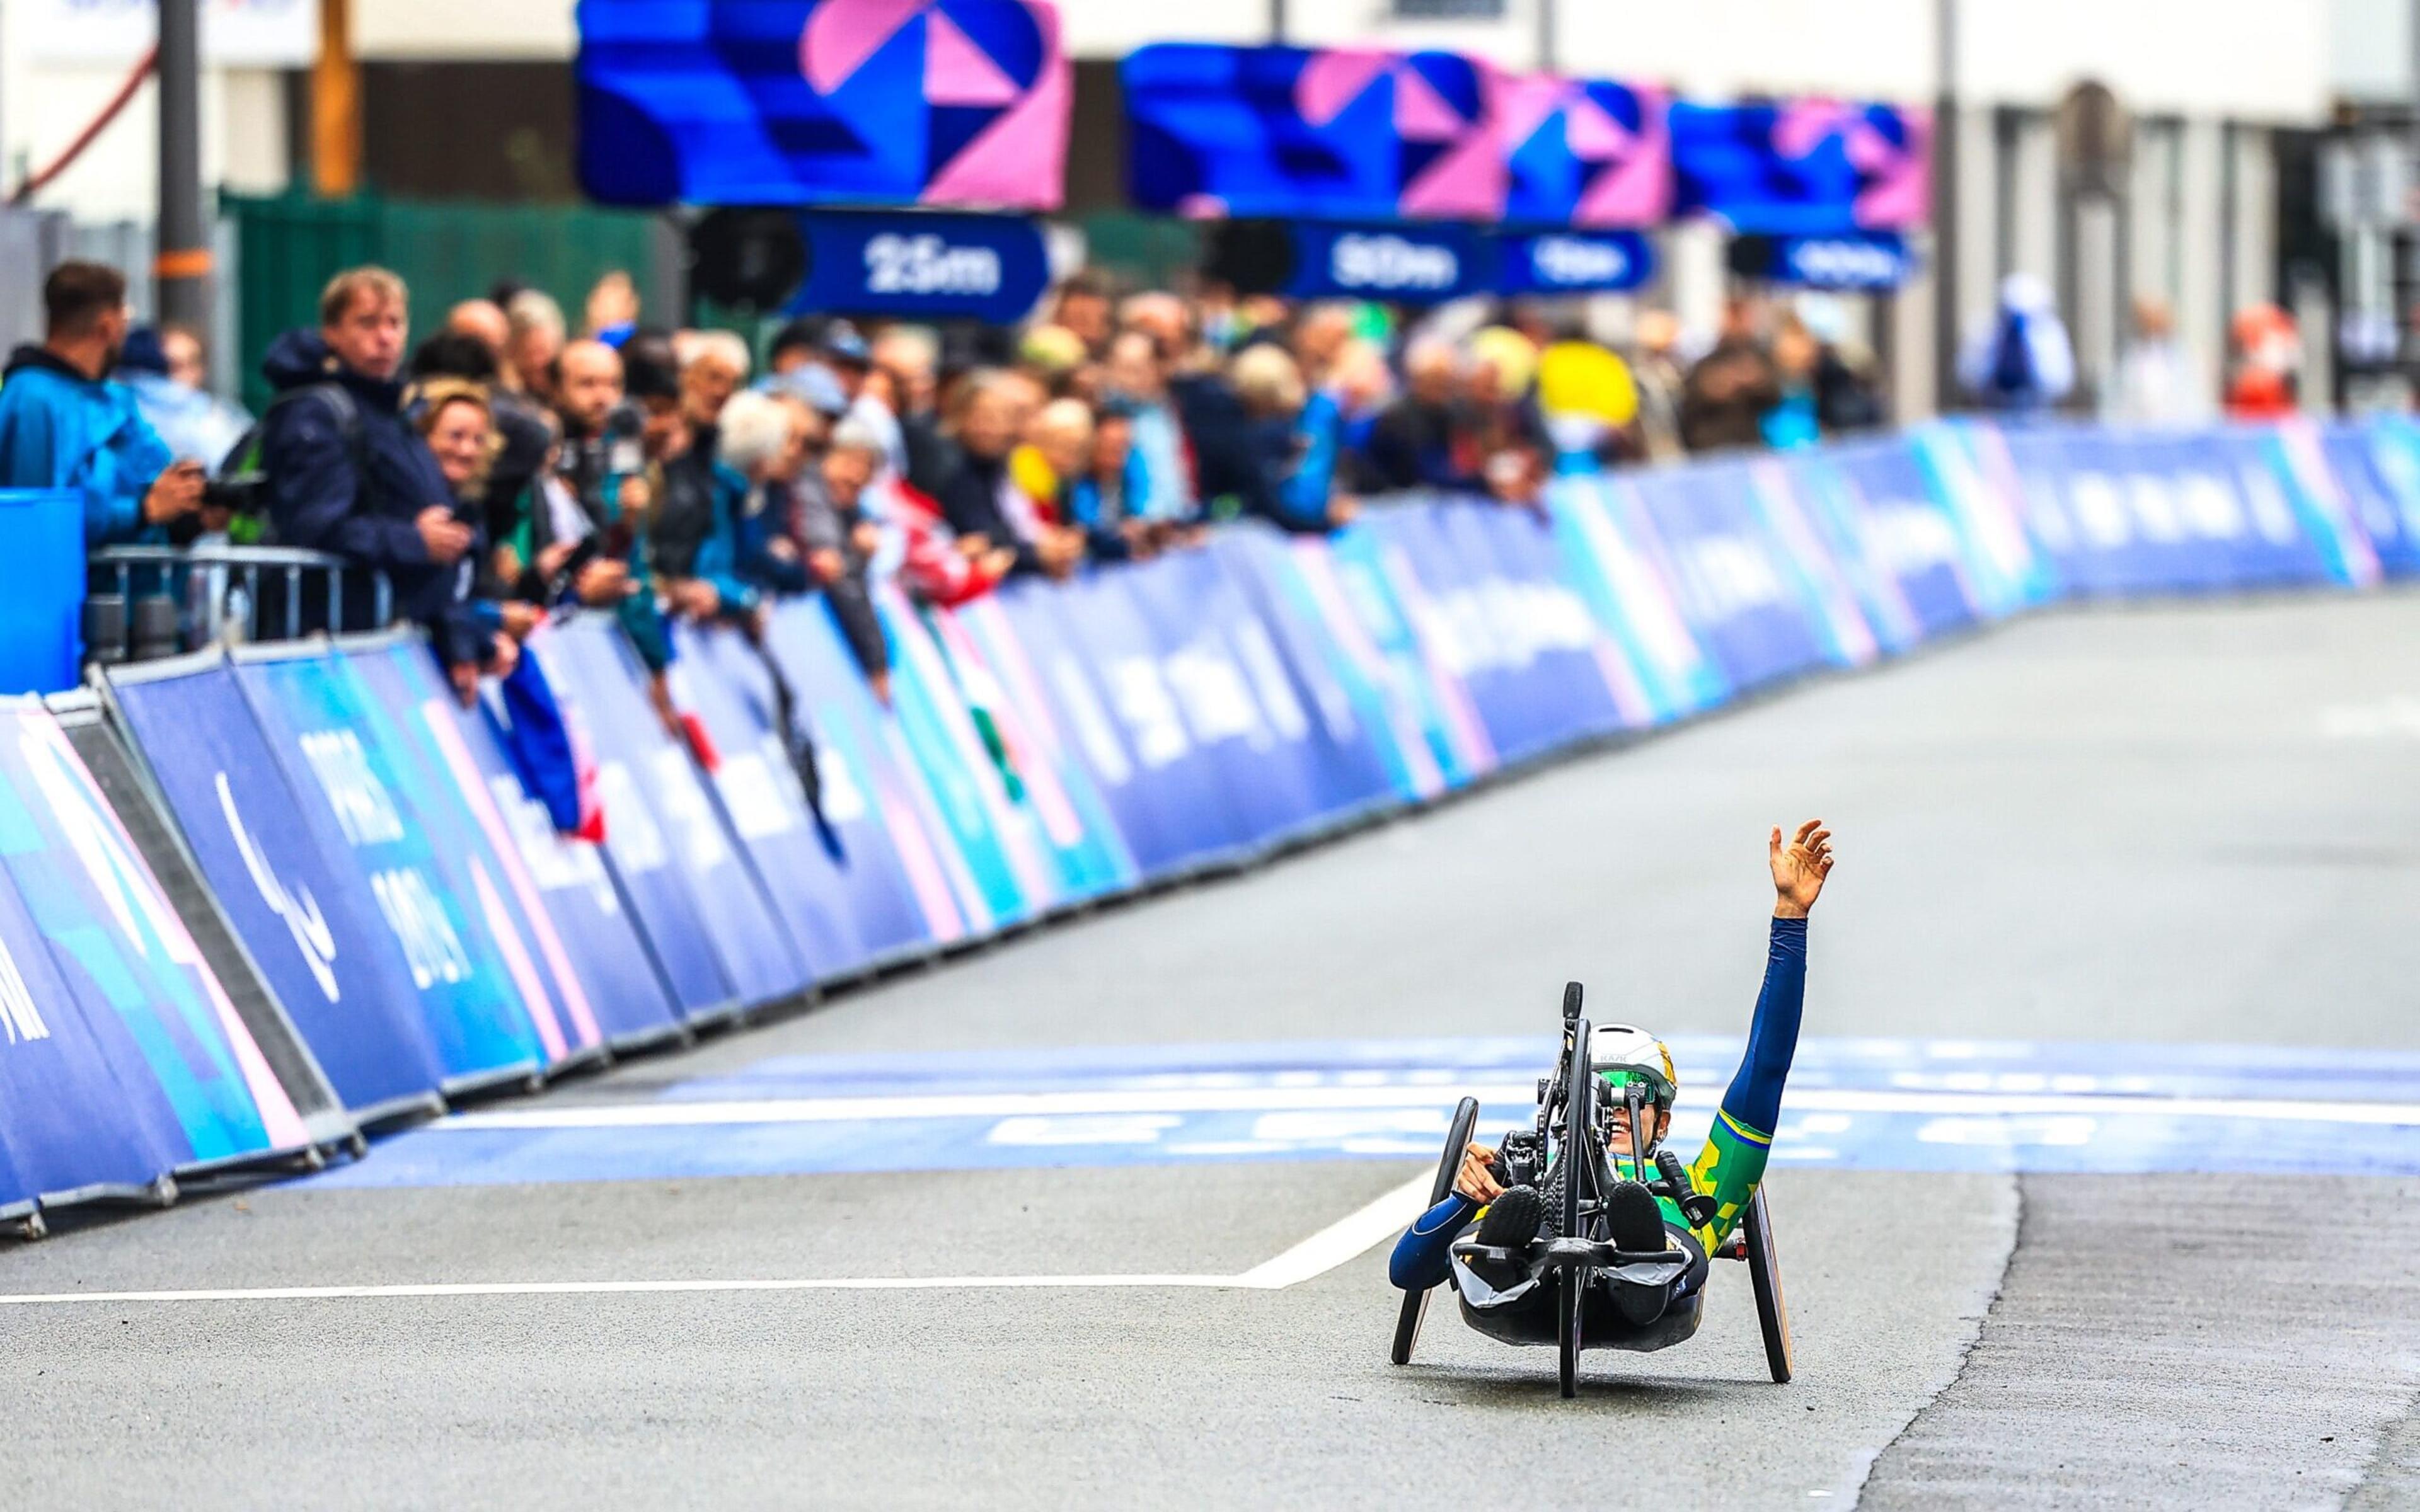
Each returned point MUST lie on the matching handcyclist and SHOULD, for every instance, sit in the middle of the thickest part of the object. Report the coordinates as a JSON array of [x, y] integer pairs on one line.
[[1727, 1170]]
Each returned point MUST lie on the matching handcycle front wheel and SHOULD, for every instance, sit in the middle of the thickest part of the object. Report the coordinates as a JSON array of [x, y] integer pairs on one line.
[[1416, 1303], [1764, 1274]]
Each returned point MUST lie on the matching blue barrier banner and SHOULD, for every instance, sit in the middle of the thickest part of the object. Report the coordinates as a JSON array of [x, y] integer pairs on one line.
[[1968, 472], [70, 1130], [824, 898], [664, 828], [1577, 673], [1877, 509], [1574, 262], [1364, 748], [2367, 479], [949, 733], [1230, 689], [191, 1083], [1368, 586], [286, 879], [1612, 557], [1076, 823], [475, 1003], [899, 883], [416, 717], [1743, 597], [923, 267], [1509, 640], [607, 991]]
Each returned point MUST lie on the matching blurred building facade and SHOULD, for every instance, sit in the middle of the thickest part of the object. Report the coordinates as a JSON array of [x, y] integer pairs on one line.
[[2216, 207]]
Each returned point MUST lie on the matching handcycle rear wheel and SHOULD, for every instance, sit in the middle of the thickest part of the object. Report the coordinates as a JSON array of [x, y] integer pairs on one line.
[[1416, 1303], [1764, 1273]]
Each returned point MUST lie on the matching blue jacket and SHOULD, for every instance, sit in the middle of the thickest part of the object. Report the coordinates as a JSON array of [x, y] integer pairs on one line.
[[351, 478], [59, 429]]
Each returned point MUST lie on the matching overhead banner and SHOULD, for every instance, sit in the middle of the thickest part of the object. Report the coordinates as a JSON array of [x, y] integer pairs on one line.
[[923, 266], [945, 102], [283, 875], [102, 987], [1585, 153], [1348, 133], [1804, 168]]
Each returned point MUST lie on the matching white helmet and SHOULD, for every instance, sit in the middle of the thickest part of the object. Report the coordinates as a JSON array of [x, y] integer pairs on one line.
[[1619, 1054]]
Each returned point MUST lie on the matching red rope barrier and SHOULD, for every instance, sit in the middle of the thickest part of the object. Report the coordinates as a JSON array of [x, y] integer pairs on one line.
[[84, 138]]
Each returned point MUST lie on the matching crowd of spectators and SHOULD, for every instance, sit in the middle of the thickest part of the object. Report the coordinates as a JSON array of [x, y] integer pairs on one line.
[[513, 460]]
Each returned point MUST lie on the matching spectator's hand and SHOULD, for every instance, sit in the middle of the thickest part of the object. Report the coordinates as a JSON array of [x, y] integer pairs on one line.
[[465, 678], [549, 559], [603, 583], [1061, 551], [506, 563], [446, 537], [508, 654], [697, 598], [1799, 869], [1342, 511], [975, 545], [177, 491], [827, 564], [520, 617], [634, 497], [866, 537], [1475, 1180], [998, 563], [783, 548], [879, 683], [659, 698]]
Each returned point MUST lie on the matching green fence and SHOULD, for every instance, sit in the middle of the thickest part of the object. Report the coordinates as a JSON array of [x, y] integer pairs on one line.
[[288, 246]]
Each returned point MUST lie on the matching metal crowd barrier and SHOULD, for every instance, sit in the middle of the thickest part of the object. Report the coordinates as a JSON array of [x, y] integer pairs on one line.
[[152, 601]]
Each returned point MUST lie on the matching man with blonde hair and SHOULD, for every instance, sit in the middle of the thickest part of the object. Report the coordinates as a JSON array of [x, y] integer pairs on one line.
[[345, 472]]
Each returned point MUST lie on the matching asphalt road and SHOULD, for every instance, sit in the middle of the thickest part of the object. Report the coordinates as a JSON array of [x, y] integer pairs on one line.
[[2191, 824]]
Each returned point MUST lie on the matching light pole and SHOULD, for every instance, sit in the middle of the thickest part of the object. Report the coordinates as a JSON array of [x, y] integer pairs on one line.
[[1946, 311], [180, 268]]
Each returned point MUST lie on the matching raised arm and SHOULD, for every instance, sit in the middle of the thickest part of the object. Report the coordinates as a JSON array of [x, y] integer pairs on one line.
[[1736, 1149]]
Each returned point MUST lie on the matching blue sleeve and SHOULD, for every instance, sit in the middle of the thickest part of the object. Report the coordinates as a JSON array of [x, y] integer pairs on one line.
[[1303, 496], [1754, 1096], [1424, 1256]]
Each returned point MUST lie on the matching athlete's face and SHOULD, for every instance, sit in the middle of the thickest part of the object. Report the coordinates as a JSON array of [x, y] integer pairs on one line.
[[1620, 1142]]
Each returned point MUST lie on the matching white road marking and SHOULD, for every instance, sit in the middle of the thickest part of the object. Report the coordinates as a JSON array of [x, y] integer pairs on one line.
[[1216, 1099], [1314, 1256]]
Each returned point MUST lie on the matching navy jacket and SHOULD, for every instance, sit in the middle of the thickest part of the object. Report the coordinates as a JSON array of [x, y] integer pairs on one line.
[[353, 483]]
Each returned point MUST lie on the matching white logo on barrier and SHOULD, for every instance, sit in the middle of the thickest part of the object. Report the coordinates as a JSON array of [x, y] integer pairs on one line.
[[1143, 702], [431, 946], [2155, 509], [925, 263], [1092, 723], [365, 810], [21, 1021], [2210, 508], [555, 863], [1217, 703], [299, 911], [1907, 538], [2271, 515], [1578, 260], [1382, 261], [1724, 575], [1275, 690], [2100, 512], [630, 826], [761, 804], [686, 808]]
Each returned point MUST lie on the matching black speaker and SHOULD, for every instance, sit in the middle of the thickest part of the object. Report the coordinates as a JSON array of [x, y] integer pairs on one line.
[[747, 260]]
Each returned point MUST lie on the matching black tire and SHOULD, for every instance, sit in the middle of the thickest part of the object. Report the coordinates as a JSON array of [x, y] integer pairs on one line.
[[1764, 1272], [1416, 1303], [1567, 1329]]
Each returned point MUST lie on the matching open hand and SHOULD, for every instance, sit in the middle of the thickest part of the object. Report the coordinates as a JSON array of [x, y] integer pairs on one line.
[[1799, 869]]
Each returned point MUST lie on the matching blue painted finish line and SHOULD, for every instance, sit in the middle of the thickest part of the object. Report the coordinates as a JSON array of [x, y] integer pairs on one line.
[[1875, 1105]]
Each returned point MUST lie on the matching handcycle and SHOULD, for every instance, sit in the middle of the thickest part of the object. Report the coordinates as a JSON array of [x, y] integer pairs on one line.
[[1567, 1156]]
